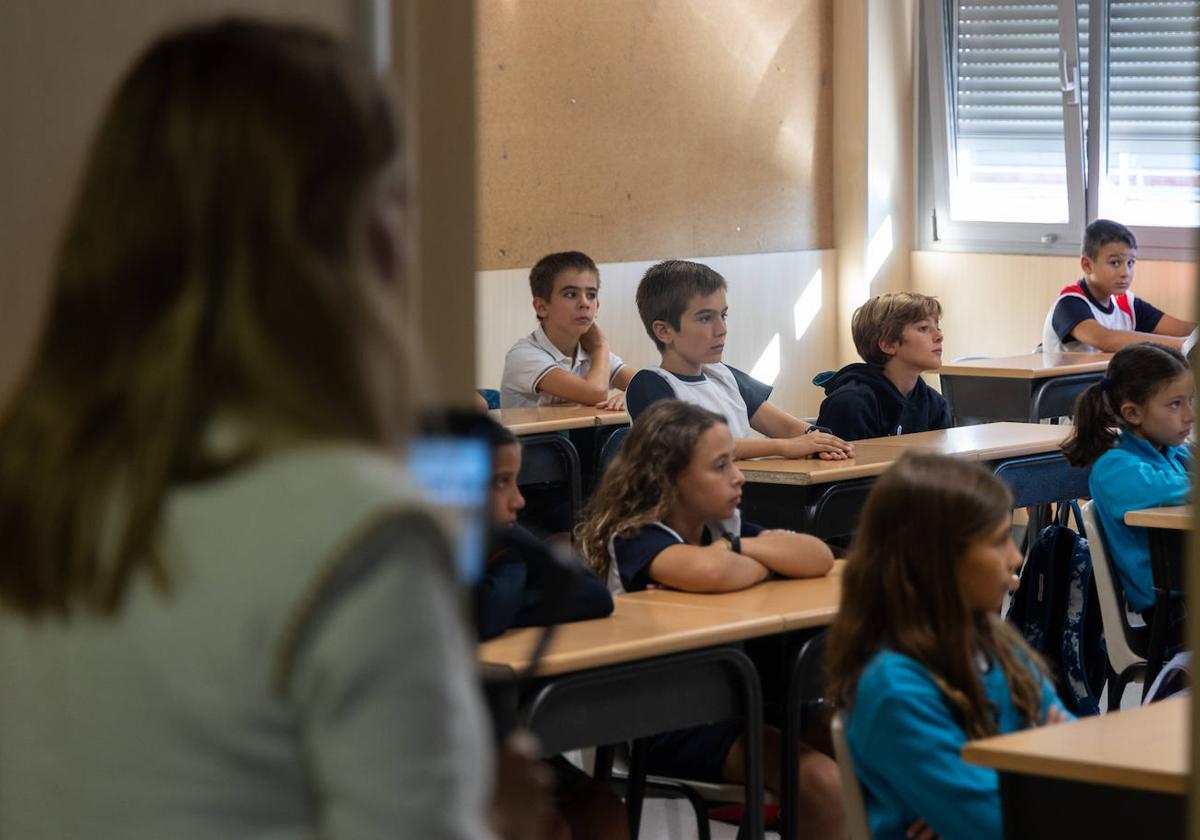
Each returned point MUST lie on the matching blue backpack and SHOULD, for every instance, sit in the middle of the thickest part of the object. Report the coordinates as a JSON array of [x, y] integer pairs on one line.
[[1056, 610]]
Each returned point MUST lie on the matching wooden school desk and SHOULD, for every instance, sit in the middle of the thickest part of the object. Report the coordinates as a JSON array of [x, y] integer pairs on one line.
[[1123, 774], [985, 442], [1031, 387], [825, 497], [1167, 525], [1026, 456], [811, 495], [548, 455], [646, 669], [797, 604], [556, 418], [1177, 518], [802, 605]]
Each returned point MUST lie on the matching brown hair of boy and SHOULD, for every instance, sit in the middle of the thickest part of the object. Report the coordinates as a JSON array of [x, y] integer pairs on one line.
[[900, 590], [638, 487], [884, 317], [1134, 375], [213, 276], [1104, 232], [547, 269], [667, 288]]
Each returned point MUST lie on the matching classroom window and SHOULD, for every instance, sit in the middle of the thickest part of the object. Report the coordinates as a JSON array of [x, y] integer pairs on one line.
[[1037, 117], [1149, 169]]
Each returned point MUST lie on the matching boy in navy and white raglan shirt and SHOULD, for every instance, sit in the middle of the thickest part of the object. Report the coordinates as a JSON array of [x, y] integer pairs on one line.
[[682, 305], [1099, 312]]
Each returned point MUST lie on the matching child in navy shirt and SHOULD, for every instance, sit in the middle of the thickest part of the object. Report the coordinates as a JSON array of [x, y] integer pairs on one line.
[[899, 338], [1099, 311], [666, 515], [682, 306], [510, 594], [918, 657]]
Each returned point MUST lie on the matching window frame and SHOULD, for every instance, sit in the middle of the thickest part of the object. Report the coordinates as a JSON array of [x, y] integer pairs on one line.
[[1085, 151]]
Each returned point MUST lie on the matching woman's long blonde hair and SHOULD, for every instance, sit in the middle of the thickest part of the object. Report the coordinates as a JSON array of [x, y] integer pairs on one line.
[[638, 487], [900, 590], [209, 271]]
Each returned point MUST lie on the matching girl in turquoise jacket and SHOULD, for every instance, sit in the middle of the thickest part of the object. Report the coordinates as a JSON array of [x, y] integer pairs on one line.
[[1132, 427], [920, 661]]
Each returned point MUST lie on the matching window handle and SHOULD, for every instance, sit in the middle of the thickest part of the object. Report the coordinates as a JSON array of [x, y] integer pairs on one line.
[[1068, 78]]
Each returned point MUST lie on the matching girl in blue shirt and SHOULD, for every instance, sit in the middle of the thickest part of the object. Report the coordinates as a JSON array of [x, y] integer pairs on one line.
[[918, 656], [1132, 427]]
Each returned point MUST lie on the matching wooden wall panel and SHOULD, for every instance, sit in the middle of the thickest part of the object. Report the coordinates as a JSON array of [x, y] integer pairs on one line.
[[634, 130]]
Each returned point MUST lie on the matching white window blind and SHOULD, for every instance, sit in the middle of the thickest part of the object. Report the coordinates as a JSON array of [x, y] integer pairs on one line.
[[1045, 114], [1006, 80], [1154, 70], [1150, 163]]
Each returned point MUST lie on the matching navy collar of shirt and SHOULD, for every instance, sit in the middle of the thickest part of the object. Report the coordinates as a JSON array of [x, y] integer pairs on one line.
[[1105, 308], [700, 377]]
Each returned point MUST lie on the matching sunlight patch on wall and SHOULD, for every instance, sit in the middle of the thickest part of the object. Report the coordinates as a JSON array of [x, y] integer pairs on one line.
[[807, 305], [766, 369], [878, 250]]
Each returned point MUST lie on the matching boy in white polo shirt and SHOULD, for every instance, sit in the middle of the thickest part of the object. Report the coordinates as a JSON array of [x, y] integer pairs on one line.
[[566, 359], [1099, 312]]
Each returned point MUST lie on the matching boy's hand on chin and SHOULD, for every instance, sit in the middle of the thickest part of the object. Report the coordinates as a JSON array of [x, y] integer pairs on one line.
[[593, 339]]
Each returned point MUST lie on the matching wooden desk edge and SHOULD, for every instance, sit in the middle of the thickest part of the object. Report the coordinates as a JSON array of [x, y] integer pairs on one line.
[[1066, 769], [1173, 518], [562, 424], [615, 418], [983, 372], [759, 472], [554, 664]]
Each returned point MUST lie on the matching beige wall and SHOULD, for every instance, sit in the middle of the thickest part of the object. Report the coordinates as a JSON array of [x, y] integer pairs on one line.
[[59, 62], [995, 304]]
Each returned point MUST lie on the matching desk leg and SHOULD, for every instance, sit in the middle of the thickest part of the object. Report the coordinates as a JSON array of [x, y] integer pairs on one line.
[[1165, 546], [602, 769], [635, 786], [805, 689]]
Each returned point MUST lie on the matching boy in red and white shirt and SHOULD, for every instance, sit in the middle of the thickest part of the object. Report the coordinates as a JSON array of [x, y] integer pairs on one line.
[[1099, 312]]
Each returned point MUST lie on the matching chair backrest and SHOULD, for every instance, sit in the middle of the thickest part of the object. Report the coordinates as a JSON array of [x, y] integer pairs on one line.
[[1043, 479], [1119, 635], [856, 808], [612, 446]]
